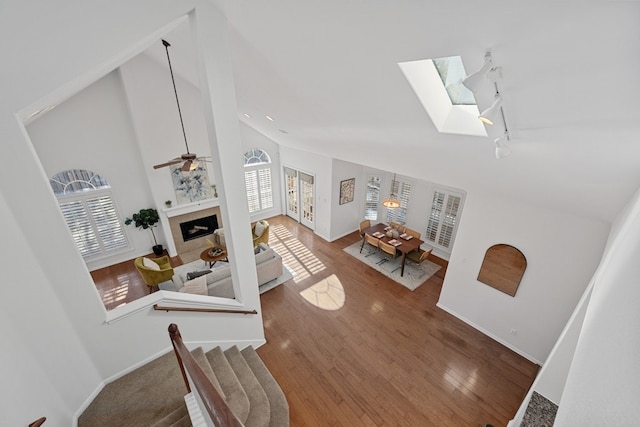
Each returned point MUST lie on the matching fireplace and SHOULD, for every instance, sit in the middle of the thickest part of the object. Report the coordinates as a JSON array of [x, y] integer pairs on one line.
[[198, 227]]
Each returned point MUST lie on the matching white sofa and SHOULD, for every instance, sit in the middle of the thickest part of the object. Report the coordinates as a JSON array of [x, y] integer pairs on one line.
[[219, 284]]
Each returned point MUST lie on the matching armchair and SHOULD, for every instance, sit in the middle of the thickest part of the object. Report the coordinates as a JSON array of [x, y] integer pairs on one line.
[[154, 275], [260, 232]]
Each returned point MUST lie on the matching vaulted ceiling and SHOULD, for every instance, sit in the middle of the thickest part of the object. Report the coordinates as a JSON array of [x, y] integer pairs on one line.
[[327, 72]]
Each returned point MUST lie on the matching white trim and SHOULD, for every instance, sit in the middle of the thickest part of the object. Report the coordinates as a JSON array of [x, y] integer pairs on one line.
[[490, 335], [191, 207]]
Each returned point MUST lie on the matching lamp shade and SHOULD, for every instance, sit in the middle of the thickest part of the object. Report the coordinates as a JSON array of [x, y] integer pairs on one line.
[[474, 80], [391, 203], [488, 116], [502, 149]]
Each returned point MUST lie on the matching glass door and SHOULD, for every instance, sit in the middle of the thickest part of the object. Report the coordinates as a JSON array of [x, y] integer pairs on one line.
[[307, 196], [291, 196]]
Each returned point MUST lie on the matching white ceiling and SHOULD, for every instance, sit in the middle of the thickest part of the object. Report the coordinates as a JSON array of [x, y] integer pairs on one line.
[[327, 72]]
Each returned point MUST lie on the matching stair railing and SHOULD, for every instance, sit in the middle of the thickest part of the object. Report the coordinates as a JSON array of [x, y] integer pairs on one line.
[[214, 403]]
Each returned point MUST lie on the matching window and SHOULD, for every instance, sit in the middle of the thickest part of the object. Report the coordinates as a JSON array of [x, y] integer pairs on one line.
[[372, 198], [90, 212], [402, 190], [443, 218], [257, 178]]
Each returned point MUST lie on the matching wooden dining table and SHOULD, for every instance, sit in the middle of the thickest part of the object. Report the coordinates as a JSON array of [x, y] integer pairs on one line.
[[404, 247]]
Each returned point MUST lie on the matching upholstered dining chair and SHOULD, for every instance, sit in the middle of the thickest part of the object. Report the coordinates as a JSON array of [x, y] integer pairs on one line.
[[154, 270], [415, 258], [413, 233], [389, 250], [397, 226], [370, 241], [363, 225]]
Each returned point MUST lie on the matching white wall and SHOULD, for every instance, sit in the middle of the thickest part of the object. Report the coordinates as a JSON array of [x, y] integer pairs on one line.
[[602, 387], [92, 130], [56, 309], [345, 218], [562, 253]]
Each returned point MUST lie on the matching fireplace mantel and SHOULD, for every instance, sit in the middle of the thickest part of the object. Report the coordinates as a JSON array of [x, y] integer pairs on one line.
[[191, 207]]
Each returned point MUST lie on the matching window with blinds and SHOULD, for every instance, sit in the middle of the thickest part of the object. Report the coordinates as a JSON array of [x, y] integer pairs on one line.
[[88, 207], [257, 180], [372, 198], [402, 191], [441, 226]]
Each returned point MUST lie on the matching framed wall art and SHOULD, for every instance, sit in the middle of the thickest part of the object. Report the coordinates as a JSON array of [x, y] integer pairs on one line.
[[191, 186], [347, 188]]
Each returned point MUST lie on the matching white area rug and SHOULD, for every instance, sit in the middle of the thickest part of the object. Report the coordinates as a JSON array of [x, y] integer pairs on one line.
[[286, 275], [414, 275]]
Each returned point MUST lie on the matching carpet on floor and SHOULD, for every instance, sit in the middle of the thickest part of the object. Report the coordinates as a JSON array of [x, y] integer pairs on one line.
[[414, 274]]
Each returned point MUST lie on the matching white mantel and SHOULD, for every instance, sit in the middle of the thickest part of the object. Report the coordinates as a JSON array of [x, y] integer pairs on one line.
[[191, 207]]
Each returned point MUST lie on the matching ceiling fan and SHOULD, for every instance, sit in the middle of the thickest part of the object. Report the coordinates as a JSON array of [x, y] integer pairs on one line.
[[191, 160]]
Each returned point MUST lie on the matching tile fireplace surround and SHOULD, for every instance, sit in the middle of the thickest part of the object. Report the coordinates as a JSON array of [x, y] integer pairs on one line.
[[190, 250]]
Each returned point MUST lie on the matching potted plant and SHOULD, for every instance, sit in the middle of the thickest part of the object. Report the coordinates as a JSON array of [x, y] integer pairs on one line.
[[147, 219], [168, 203]]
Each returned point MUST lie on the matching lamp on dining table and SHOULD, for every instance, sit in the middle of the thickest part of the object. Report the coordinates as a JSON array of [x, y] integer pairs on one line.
[[391, 202]]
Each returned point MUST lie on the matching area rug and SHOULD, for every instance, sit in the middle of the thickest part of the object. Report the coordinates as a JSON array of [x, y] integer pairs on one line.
[[414, 274], [286, 275]]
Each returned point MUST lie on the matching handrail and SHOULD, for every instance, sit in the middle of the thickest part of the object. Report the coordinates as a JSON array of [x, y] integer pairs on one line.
[[203, 310], [215, 404], [38, 422]]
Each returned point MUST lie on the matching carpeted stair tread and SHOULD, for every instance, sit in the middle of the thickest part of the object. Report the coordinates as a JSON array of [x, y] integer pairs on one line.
[[277, 400], [236, 397], [178, 418], [259, 408], [203, 361], [140, 398]]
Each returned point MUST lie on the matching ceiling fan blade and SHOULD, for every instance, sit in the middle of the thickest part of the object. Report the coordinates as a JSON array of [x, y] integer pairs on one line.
[[169, 163]]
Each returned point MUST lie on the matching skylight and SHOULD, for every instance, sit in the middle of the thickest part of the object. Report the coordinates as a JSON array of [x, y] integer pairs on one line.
[[451, 71], [438, 85]]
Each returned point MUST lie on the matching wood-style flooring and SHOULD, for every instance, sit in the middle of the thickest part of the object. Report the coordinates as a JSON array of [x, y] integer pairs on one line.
[[351, 347]]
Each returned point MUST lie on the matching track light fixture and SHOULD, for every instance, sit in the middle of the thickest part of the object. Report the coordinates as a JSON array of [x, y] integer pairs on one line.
[[489, 115], [502, 149], [474, 80]]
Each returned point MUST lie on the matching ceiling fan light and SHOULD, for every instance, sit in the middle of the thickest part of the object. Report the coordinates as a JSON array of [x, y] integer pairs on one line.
[[488, 116]]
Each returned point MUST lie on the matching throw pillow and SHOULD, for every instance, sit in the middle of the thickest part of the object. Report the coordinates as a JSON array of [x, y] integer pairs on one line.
[[192, 275], [196, 286], [259, 229], [150, 264]]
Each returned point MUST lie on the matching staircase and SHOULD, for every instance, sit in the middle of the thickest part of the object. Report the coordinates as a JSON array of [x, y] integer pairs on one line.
[[154, 394]]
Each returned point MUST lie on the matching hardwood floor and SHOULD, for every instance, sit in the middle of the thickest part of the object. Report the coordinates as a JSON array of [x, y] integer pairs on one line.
[[358, 349]]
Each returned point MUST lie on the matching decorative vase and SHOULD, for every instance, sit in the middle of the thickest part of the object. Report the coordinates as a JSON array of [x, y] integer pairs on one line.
[[395, 234], [390, 233]]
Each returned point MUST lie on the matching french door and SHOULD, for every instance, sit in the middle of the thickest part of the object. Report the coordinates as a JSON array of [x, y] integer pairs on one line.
[[300, 196]]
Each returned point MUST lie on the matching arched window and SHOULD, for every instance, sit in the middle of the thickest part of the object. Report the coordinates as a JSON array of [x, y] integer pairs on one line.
[[257, 178], [88, 207]]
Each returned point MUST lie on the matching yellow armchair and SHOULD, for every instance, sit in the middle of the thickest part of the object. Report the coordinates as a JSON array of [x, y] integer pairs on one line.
[[152, 276], [262, 233]]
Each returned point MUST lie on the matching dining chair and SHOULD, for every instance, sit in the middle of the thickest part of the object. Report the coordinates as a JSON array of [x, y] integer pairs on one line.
[[413, 233], [363, 225], [370, 241], [389, 251], [415, 258], [397, 226]]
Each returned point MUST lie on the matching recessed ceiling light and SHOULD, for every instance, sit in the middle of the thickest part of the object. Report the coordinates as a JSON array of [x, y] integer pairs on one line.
[[248, 116], [269, 117]]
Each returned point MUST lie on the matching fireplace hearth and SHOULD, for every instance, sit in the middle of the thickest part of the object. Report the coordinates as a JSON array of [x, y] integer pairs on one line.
[[198, 227]]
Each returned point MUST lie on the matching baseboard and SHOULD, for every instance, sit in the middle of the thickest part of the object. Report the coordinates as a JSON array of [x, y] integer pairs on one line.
[[490, 335]]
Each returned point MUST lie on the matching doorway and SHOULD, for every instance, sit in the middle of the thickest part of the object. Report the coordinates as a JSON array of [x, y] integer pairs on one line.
[[300, 196]]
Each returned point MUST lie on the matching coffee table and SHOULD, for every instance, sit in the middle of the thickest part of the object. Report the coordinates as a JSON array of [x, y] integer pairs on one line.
[[208, 255]]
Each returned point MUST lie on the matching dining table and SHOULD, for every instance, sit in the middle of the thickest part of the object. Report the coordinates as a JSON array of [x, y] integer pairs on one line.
[[404, 243]]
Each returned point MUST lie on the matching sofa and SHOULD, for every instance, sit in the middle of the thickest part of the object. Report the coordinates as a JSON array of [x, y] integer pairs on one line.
[[218, 279]]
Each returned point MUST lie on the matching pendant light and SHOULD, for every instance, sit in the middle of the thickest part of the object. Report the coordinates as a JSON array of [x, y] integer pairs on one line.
[[391, 202]]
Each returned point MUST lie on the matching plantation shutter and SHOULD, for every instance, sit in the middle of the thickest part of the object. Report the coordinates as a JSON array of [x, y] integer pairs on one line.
[[402, 190], [105, 216], [253, 193], [372, 198], [443, 218], [266, 190], [80, 227]]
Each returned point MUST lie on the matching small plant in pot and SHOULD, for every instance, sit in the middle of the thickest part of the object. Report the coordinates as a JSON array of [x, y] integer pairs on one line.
[[146, 219]]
